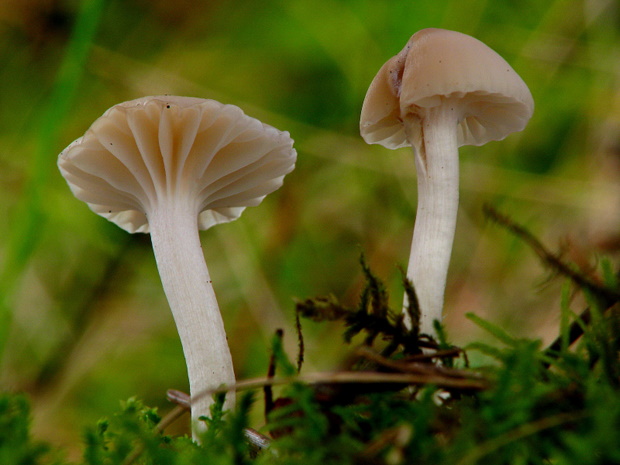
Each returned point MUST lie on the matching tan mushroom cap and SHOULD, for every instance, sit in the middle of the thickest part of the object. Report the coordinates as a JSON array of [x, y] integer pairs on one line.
[[202, 151], [438, 66]]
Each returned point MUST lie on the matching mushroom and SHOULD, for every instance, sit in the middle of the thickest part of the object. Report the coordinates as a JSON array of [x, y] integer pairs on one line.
[[170, 166], [443, 90]]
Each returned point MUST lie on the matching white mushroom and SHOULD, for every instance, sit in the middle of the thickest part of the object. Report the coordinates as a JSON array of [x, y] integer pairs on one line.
[[443, 90], [171, 166]]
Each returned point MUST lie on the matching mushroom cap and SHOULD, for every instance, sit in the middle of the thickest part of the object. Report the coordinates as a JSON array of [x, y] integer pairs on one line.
[[211, 156], [439, 66]]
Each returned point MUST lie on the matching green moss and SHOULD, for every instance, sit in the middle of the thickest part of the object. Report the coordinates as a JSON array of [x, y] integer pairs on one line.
[[401, 398], [17, 447], [535, 409]]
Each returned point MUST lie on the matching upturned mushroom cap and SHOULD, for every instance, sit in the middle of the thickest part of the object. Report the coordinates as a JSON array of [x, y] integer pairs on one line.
[[141, 151], [438, 66]]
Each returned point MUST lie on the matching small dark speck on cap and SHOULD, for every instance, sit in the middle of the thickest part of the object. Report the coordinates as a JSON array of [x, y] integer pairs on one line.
[[168, 106]]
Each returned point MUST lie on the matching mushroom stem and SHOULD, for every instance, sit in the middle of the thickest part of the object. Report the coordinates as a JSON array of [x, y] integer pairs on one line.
[[186, 282], [437, 165]]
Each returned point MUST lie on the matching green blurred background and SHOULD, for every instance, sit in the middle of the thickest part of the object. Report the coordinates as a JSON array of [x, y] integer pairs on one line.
[[83, 319]]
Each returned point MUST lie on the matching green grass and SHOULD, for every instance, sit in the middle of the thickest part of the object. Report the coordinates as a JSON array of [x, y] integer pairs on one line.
[[29, 216]]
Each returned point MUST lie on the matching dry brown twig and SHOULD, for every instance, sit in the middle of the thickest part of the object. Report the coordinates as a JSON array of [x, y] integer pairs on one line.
[[442, 377], [413, 366], [607, 298]]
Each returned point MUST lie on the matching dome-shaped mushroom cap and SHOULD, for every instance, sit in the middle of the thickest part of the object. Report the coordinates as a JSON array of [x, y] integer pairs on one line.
[[201, 152], [437, 66]]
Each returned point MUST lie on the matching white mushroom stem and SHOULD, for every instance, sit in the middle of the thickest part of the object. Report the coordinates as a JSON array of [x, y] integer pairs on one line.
[[186, 282], [433, 134]]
